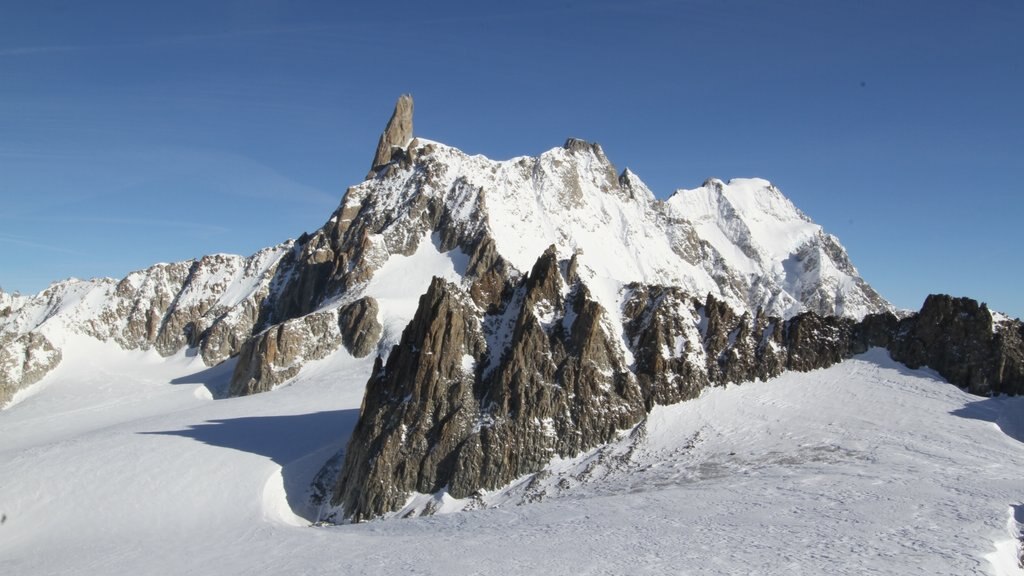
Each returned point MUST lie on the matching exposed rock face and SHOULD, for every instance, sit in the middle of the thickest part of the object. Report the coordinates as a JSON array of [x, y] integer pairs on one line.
[[466, 405], [396, 134], [24, 361], [360, 329], [278, 353], [681, 346], [422, 407], [960, 340], [212, 303]]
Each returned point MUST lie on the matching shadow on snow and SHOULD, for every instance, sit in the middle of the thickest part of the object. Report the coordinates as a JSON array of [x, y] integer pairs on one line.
[[216, 379], [1004, 411], [301, 444]]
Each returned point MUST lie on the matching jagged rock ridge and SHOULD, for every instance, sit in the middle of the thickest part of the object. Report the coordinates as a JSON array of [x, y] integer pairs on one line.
[[211, 304], [451, 411]]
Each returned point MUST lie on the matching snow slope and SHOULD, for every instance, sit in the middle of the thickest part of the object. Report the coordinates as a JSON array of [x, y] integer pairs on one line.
[[771, 243], [121, 463]]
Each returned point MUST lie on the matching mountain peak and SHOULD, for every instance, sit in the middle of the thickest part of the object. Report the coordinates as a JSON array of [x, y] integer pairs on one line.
[[398, 132], [580, 145], [585, 146]]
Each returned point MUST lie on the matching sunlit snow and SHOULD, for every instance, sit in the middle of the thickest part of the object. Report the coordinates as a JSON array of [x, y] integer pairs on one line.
[[122, 464]]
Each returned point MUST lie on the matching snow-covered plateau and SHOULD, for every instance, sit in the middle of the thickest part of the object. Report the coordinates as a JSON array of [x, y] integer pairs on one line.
[[122, 463]]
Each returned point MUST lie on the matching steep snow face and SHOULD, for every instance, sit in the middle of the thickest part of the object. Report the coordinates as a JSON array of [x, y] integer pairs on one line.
[[749, 221], [743, 242], [786, 261]]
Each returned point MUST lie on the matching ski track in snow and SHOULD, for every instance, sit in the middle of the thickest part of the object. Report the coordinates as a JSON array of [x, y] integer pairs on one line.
[[863, 468]]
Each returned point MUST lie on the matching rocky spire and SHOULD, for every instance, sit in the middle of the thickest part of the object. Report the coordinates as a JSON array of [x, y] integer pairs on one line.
[[398, 132]]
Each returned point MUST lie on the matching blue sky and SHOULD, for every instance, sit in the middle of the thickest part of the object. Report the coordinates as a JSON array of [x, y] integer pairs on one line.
[[133, 132]]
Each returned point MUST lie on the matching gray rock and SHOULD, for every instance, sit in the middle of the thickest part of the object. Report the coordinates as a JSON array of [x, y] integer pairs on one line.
[[278, 353], [418, 410], [436, 417], [396, 134], [24, 361], [360, 329]]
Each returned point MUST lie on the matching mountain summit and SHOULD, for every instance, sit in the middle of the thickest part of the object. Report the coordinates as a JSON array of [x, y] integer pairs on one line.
[[396, 134], [517, 311]]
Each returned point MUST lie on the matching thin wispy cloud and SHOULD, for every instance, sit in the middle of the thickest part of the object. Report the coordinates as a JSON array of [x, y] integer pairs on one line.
[[169, 40], [202, 228], [32, 50], [19, 241], [231, 34]]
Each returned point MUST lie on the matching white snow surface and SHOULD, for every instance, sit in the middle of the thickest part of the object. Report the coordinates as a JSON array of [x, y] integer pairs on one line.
[[769, 241], [746, 210], [121, 463], [399, 282]]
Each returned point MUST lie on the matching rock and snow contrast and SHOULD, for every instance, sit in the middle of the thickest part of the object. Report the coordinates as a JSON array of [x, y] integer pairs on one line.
[[464, 333]]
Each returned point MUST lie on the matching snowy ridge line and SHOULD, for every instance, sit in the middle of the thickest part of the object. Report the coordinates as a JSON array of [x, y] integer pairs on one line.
[[211, 303], [570, 197], [765, 254]]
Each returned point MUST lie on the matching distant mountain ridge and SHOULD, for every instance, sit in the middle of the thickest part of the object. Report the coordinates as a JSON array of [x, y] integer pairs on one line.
[[519, 310]]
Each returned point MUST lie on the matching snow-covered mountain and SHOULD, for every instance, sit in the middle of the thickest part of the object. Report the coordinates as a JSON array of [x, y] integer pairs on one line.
[[211, 304], [510, 313], [742, 242]]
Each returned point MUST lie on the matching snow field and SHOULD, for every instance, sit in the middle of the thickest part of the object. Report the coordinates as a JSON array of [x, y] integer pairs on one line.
[[865, 467]]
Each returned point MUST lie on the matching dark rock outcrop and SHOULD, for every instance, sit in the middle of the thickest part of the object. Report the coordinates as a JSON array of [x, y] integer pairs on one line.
[[958, 338], [468, 405], [360, 329], [418, 410]]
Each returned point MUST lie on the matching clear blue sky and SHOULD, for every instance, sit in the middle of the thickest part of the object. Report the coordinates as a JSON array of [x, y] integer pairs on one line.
[[136, 132]]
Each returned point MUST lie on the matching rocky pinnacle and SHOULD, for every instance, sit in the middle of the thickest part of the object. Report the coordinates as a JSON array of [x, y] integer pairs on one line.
[[398, 132]]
